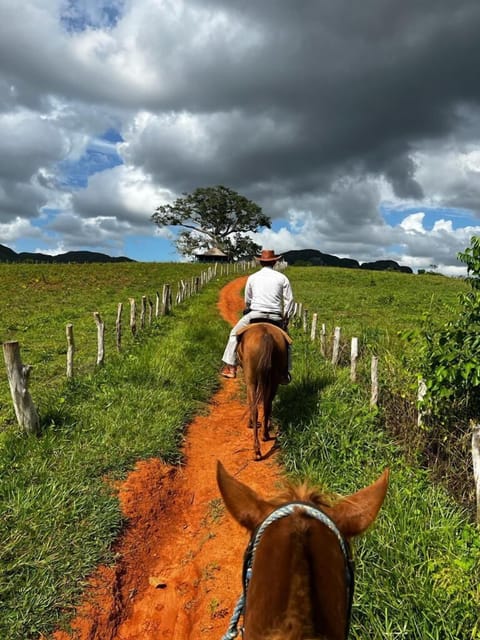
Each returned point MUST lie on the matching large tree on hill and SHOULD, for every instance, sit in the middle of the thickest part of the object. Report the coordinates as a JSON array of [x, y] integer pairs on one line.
[[213, 217]]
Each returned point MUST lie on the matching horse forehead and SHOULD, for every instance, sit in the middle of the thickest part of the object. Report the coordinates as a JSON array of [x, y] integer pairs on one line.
[[300, 524]]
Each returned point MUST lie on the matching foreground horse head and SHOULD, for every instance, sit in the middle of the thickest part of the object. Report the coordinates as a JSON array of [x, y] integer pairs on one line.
[[263, 353], [298, 575]]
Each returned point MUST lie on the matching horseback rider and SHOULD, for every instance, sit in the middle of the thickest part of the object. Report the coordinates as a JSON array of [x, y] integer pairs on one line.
[[269, 297]]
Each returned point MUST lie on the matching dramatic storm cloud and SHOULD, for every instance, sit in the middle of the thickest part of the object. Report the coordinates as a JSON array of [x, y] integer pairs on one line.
[[356, 126]]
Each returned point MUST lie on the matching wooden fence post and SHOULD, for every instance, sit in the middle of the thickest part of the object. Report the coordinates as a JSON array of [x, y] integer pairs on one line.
[[133, 316], [353, 359], [323, 340], [305, 320], [166, 299], [313, 332], [18, 376], [476, 464], [300, 310], [70, 350], [336, 345], [100, 338], [421, 392], [118, 326], [150, 311], [374, 378], [143, 312]]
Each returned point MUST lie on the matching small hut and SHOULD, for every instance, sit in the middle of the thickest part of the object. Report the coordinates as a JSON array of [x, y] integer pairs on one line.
[[212, 255]]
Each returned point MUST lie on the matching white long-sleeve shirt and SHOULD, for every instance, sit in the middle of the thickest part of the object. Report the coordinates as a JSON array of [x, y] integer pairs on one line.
[[269, 291]]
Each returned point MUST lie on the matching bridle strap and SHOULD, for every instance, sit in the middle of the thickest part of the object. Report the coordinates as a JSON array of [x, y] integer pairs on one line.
[[277, 514]]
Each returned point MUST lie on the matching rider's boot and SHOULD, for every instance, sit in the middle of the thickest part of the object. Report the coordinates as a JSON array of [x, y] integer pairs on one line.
[[229, 371]]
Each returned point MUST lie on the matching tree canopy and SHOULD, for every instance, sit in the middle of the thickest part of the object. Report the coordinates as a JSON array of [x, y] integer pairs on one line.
[[213, 217]]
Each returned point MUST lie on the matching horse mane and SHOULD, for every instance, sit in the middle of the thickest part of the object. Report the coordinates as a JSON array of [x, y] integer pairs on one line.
[[304, 493]]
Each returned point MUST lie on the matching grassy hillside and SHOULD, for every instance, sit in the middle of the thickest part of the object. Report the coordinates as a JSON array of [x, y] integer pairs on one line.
[[38, 301], [59, 516], [373, 304], [417, 569]]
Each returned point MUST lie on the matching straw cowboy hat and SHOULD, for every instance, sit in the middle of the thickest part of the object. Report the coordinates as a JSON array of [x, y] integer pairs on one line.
[[268, 255]]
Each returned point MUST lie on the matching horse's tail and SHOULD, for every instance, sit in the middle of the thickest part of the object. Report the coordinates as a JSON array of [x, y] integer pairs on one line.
[[264, 369]]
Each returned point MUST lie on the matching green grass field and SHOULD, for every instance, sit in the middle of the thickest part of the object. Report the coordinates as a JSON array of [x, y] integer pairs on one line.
[[416, 570]]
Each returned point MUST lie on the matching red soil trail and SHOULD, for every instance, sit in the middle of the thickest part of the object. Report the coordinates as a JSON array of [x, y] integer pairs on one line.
[[178, 569]]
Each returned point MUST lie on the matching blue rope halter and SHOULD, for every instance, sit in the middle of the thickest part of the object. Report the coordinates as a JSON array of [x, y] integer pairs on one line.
[[282, 512]]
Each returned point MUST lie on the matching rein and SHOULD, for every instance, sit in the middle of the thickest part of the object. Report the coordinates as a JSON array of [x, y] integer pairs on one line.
[[282, 512]]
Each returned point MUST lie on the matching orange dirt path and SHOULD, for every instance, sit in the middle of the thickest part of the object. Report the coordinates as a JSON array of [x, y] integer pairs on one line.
[[179, 560]]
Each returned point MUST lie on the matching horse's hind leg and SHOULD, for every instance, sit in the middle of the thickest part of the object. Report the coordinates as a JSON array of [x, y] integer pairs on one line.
[[252, 412], [267, 412], [257, 452]]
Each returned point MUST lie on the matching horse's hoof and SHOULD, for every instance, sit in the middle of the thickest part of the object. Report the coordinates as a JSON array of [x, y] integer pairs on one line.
[[258, 456]]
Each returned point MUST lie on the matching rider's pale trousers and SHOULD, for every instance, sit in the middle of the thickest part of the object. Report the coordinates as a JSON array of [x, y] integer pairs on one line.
[[230, 353]]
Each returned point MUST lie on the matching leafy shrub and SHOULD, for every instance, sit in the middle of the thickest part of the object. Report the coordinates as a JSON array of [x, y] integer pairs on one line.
[[449, 356]]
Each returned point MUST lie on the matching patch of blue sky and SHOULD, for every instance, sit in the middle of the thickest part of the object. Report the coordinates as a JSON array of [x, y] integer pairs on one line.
[[459, 218], [279, 224], [100, 154], [79, 15], [111, 135], [150, 249]]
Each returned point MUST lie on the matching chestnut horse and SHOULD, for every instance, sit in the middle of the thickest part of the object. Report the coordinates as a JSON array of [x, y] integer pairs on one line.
[[263, 354], [298, 573]]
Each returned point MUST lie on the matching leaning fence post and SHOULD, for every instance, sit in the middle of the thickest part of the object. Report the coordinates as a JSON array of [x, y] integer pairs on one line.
[[133, 316], [18, 376], [353, 359], [100, 338], [70, 349], [143, 312], [374, 379], [118, 326], [336, 345]]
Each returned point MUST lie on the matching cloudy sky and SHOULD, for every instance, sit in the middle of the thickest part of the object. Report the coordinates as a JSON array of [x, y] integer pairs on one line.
[[354, 125]]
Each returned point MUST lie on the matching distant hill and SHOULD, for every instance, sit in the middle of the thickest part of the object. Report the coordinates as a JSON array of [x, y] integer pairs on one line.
[[385, 265], [315, 258], [7, 255]]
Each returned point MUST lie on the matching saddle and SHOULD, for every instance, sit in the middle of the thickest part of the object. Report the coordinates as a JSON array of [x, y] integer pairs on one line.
[[275, 323]]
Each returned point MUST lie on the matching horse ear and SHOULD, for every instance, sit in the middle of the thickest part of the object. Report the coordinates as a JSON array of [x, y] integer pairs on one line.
[[355, 513], [243, 503]]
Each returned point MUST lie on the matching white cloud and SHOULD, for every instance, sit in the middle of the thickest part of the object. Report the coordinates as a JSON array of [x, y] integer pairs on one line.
[[413, 223], [208, 92], [17, 228]]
